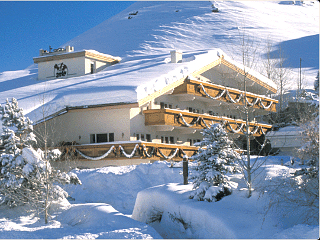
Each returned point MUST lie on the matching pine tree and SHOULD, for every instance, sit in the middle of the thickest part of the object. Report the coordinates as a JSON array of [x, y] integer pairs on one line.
[[216, 159], [26, 176], [309, 152], [13, 117]]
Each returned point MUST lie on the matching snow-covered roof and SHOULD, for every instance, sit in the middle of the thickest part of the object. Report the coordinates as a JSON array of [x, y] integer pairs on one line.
[[286, 131], [74, 54], [144, 43]]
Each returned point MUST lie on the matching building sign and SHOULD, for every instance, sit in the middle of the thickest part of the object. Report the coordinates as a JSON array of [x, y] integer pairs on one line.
[[60, 70]]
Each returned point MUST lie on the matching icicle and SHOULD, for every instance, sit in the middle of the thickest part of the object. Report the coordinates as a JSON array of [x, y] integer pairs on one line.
[[96, 158]]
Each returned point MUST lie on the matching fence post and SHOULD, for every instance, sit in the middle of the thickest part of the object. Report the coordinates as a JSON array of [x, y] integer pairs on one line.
[[185, 170]]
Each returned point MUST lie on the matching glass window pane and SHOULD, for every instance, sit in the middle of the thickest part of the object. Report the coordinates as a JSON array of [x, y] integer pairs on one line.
[[102, 137], [111, 137]]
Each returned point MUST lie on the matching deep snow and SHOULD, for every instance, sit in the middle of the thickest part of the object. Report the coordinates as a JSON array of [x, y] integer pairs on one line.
[[103, 204]]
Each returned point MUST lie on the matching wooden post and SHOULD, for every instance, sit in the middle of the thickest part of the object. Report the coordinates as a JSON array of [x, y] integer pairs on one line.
[[185, 169]]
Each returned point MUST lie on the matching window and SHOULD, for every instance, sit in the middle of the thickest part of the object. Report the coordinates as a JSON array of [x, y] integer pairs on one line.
[[164, 105], [169, 140], [101, 137], [142, 137], [193, 141], [148, 137], [111, 137], [92, 67]]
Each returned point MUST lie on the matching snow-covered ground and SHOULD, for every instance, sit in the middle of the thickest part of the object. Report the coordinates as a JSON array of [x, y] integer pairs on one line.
[[117, 202]]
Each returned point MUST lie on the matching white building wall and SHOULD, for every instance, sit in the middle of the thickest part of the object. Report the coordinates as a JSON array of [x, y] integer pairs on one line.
[[77, 125], [98, 65], [75, 68]]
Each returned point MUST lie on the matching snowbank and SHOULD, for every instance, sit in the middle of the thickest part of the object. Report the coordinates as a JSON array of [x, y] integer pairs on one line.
[[169, 210], [100, 220], [119, 186], [80, 221]]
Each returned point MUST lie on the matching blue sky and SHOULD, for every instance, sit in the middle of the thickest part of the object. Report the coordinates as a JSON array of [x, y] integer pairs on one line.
[[26, 27]]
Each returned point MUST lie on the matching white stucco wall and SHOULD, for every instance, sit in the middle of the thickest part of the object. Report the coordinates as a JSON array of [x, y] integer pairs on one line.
[[98, 65], [78, 66], [77, 125], [75, 68]]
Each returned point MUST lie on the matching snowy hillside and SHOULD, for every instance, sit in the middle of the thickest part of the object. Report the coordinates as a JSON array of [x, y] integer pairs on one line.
[[145, 40]]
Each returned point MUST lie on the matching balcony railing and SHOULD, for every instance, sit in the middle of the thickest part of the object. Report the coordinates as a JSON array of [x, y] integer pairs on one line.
[[178, 118], [128, 150], [230, 95]]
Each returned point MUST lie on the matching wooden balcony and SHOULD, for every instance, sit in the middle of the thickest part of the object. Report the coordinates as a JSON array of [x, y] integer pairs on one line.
[[134, 150], [220, 93], [178, 118]]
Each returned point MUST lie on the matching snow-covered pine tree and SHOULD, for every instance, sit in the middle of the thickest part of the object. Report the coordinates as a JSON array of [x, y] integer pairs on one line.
[[309, 154], [16, 134], [216, 159], [26, 177], [12, 117]]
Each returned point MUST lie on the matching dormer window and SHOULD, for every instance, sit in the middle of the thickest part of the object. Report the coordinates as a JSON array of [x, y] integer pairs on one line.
[[65, 62]]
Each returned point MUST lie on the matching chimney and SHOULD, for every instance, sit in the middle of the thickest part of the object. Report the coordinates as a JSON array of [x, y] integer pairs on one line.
[[41, 52], [176, 56], [69, 49]]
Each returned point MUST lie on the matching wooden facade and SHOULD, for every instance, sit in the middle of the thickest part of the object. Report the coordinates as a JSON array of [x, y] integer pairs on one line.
[[225, 94], [133, 150], [178, 118]]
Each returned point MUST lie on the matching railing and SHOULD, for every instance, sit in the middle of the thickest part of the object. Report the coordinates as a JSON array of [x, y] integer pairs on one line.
[[178, 118], [221, 93], [128, 150]]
